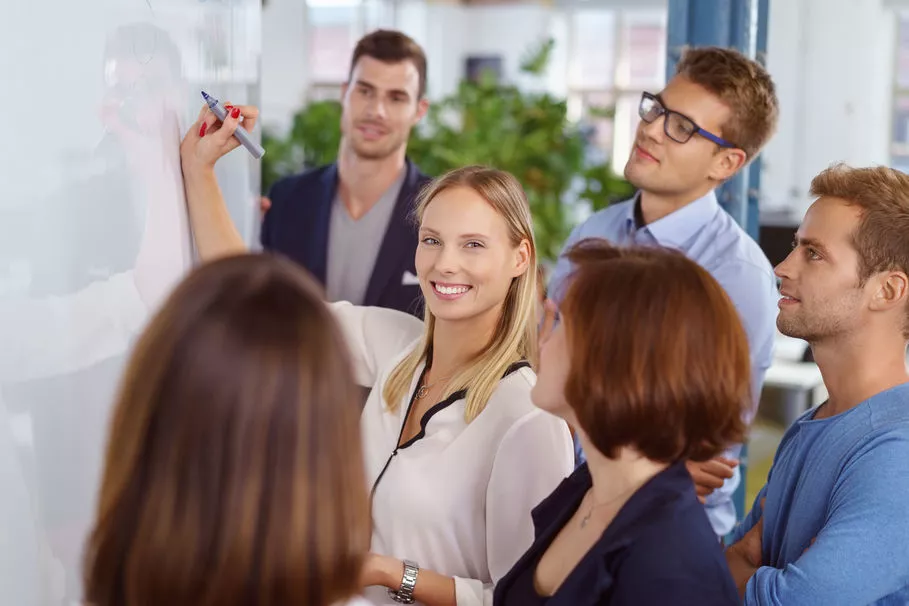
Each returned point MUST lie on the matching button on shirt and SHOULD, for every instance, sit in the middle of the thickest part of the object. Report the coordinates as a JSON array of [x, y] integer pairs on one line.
[[705, 233]]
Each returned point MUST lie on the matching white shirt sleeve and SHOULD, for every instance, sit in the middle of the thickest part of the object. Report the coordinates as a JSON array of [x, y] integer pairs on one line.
[[533, 458], [60, 334], [375, 336]]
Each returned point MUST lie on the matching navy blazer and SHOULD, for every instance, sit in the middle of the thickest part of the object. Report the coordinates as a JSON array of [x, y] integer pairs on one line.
[[659, 549], [297, 226]]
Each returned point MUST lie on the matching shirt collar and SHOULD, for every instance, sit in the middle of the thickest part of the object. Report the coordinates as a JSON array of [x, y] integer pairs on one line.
[[678, 227]]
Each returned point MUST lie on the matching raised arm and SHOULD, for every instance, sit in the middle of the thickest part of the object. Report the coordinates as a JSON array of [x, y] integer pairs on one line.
[[207, 140], [375, 336]]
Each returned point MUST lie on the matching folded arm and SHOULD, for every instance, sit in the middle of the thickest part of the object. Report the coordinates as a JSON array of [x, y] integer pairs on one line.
[[860, 554]]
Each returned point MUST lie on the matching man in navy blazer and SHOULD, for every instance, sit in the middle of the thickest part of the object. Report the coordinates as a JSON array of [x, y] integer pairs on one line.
[[351, 223]]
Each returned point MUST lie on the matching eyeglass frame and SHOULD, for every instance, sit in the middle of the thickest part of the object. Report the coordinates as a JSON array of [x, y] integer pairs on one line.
[[666, 112]]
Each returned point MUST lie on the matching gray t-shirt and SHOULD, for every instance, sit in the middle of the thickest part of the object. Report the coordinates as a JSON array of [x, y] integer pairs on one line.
[[353, 245]]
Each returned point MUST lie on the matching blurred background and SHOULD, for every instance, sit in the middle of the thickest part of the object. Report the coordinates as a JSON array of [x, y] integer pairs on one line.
[[101, 95], [548, 90]]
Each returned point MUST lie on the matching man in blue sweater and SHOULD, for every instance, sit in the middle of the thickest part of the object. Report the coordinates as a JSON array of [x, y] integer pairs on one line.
[[831, 526]]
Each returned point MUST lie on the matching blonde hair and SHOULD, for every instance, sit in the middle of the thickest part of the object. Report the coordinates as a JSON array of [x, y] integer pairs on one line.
[[515, 337]]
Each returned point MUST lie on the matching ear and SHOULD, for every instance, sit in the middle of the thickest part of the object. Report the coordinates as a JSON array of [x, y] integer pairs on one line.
[[522, 258], [726, 163], [422, 108], [892, 291]]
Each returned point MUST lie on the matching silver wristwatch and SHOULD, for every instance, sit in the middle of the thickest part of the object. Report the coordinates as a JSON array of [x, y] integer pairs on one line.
[[404, 595]]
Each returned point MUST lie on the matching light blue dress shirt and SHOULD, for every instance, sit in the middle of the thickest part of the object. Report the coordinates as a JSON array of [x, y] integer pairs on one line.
[[705, 233]]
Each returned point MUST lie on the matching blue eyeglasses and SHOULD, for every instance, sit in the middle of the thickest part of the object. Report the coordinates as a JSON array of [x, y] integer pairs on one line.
[[678, 127]]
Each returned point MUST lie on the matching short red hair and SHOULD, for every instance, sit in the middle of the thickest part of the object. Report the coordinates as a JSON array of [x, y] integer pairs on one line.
[[659, 357]]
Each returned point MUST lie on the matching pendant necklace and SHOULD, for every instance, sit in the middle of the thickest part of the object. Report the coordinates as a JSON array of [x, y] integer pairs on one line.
[[424, 388], [595, 506]]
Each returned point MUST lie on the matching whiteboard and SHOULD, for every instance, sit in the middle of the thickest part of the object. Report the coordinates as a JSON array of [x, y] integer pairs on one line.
[[95, 97]]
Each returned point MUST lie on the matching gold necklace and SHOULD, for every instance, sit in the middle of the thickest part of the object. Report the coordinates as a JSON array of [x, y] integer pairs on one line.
[[424, 389], [586, 518]]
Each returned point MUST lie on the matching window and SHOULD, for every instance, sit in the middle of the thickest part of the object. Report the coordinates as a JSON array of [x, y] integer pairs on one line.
[[614, 56], [333, 28], [592, 64], [899, 136]]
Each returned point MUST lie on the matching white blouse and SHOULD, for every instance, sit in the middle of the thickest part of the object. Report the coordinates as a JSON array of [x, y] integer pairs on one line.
[[457, 498]]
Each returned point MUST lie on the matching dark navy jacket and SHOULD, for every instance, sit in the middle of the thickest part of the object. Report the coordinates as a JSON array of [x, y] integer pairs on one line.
[[297, 226], [659, 549]]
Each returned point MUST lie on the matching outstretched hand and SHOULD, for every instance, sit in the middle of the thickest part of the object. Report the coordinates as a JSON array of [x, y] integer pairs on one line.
[[209, 139]]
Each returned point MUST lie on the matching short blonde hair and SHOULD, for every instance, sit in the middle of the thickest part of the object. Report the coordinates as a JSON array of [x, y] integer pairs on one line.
[[882, 236], [744, 86], [515, 337]]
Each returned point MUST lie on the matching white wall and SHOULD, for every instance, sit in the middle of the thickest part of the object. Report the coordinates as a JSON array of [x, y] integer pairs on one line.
[[833, 62]]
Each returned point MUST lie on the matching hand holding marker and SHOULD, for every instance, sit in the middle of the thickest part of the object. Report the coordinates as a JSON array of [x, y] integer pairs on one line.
[[242, 136]]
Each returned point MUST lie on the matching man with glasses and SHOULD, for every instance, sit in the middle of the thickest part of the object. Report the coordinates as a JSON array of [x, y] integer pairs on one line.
[[711, 119]]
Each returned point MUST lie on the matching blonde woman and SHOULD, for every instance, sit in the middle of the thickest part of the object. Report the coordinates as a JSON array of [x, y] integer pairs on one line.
[[456, 454]]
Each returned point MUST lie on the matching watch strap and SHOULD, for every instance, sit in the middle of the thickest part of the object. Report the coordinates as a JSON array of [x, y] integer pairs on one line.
[[404, 595]]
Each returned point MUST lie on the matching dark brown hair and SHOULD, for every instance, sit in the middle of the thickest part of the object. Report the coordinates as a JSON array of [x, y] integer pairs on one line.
[[659, 358], [882, 236], [233, 473], [391, 46], [744, 86]]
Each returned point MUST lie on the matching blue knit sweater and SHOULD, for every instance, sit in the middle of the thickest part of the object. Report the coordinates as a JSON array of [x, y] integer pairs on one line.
[[843, 481]]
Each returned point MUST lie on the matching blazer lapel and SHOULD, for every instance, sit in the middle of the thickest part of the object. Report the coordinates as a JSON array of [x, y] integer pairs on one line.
[[320, 224], [400, 238]]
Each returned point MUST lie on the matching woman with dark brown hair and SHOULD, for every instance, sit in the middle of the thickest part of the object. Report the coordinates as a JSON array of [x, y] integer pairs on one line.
[[234, 472], [650, 365]]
